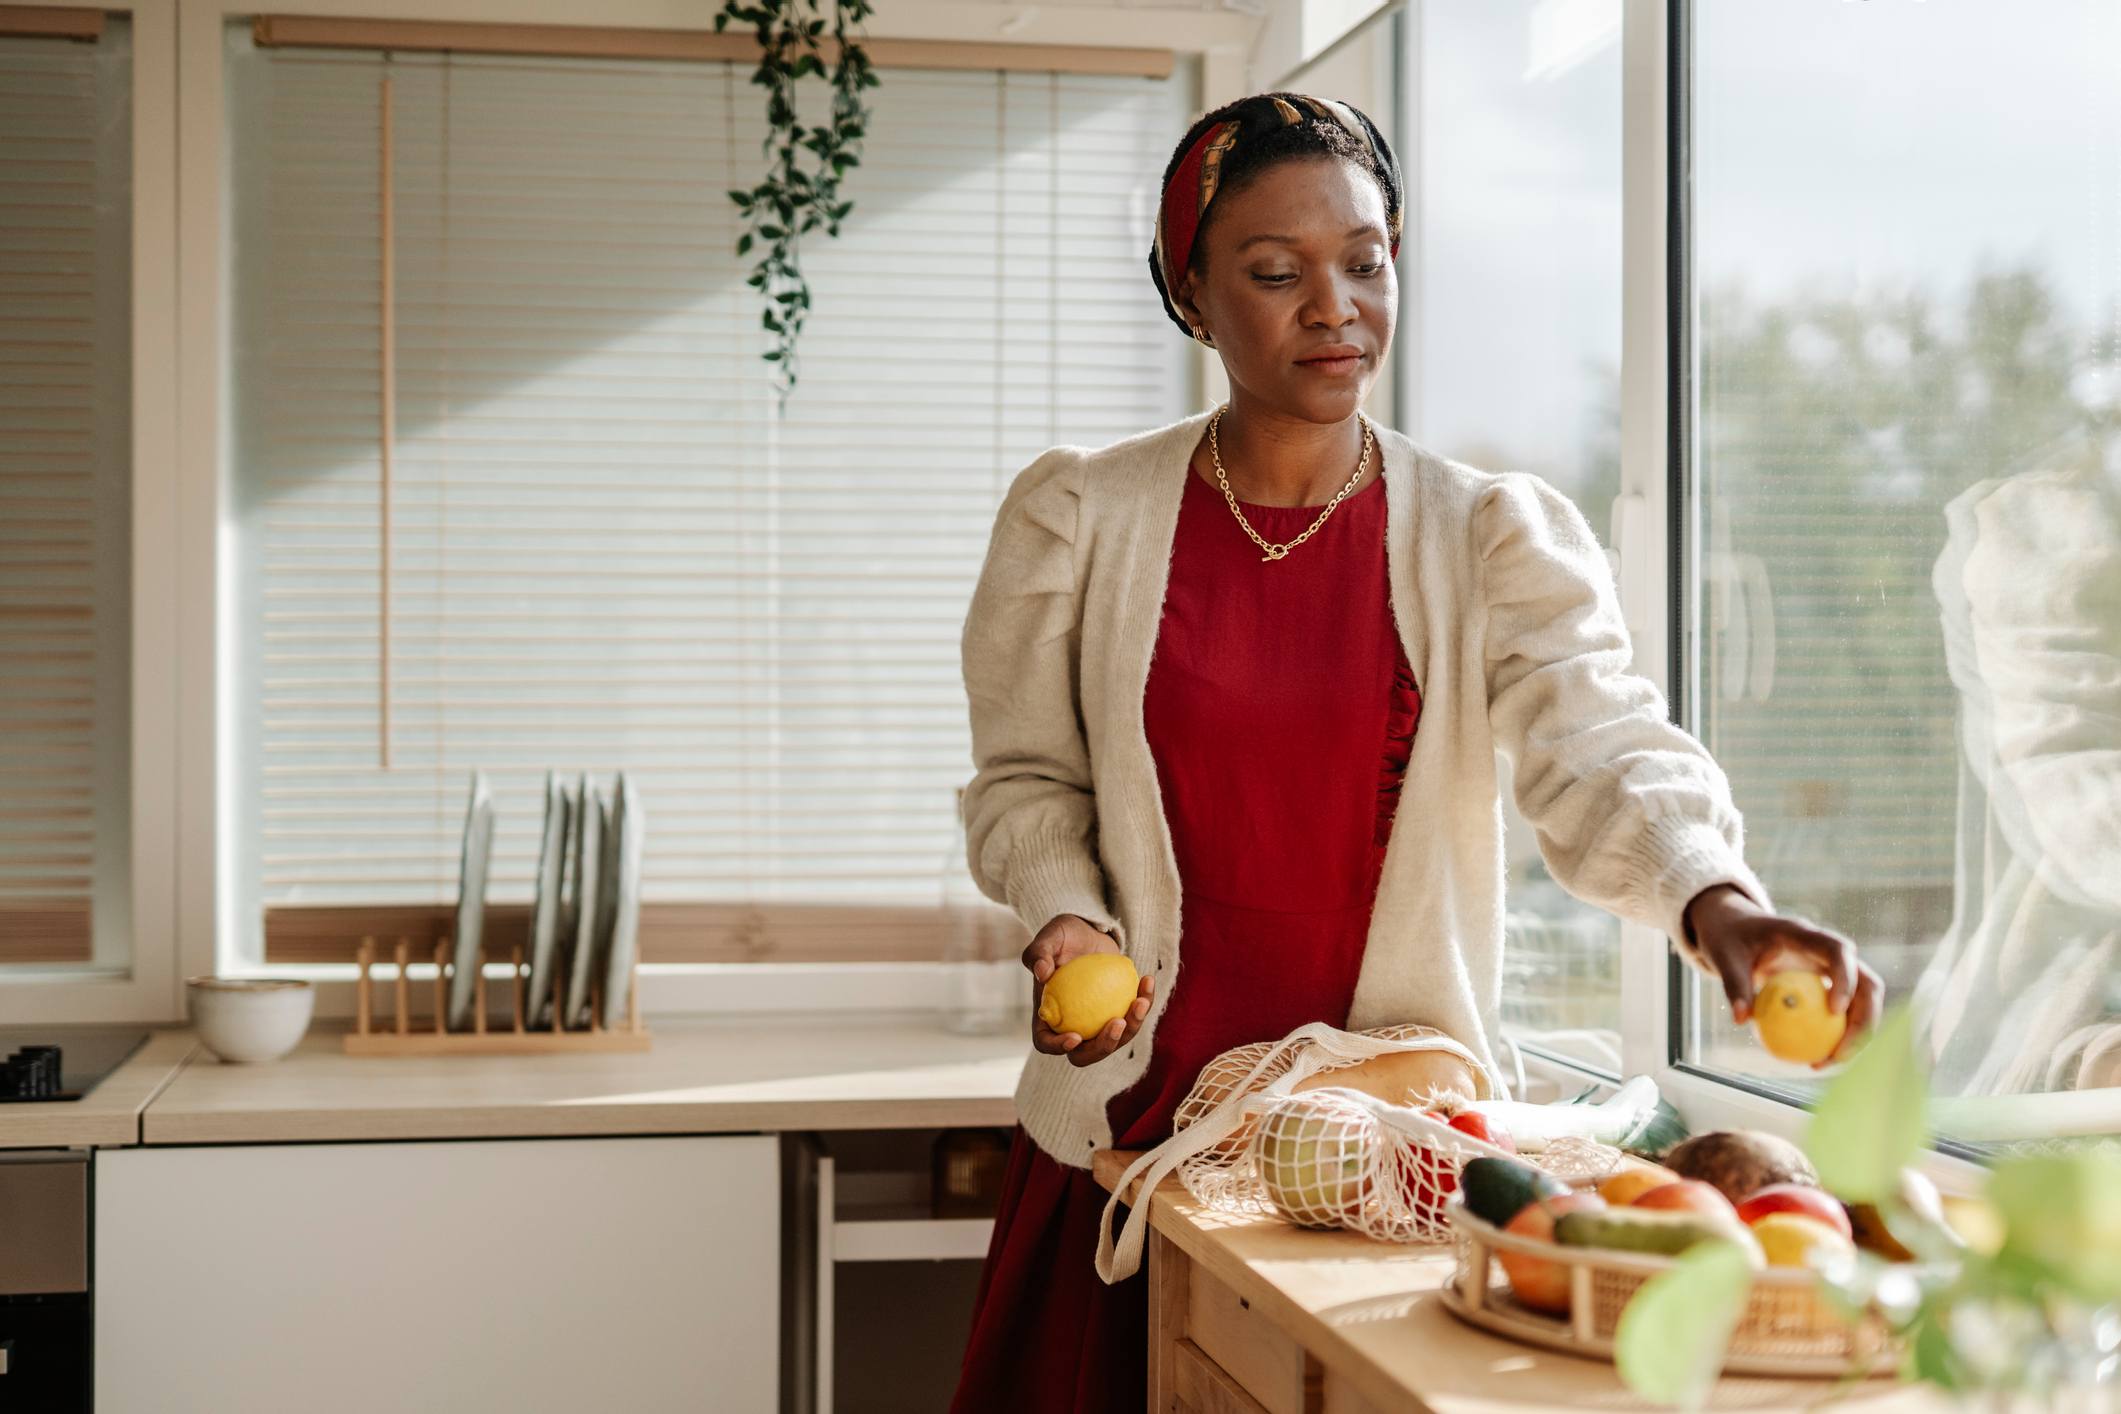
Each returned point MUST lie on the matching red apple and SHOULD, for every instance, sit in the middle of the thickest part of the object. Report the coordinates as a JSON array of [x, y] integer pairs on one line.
[[1540, 1282], [1689, 1195], [1796, 1198]]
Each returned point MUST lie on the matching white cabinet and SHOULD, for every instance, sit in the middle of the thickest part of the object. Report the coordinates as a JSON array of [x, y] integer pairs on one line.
[[517, 1276]]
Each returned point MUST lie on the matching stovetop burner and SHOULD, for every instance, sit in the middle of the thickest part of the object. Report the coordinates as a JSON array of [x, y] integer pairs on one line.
[[53, 1063]]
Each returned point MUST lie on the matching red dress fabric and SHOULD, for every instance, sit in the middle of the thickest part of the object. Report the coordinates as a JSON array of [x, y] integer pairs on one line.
[[1280, 710]]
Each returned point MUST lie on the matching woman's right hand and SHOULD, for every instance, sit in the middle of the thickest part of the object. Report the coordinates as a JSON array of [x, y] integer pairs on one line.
[[1062, 941]]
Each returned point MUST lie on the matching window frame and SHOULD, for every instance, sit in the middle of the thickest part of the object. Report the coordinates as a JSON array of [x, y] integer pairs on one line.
[[1660, 393], [151, 987], [1657, 561]]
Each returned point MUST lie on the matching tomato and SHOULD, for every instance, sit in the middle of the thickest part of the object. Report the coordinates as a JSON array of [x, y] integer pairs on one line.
[[1481, 1127], [1419, 1174], [1430, 1177]]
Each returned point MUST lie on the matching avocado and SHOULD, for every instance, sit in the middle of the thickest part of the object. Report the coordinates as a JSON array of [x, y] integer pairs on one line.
[[1497, 1190], [1630, 1230]]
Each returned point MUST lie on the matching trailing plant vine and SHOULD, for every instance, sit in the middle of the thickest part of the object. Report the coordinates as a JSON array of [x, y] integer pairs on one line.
[[793, 198]]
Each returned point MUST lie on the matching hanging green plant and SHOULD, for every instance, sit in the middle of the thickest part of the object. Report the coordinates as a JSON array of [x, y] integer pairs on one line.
[[794, 198]]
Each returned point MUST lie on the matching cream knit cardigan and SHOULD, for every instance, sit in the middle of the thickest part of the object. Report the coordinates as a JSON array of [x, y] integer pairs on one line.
[[1506, 608]]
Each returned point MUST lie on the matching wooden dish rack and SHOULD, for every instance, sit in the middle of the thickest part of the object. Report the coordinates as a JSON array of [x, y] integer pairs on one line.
[[429, 1036], [1786, 1328]]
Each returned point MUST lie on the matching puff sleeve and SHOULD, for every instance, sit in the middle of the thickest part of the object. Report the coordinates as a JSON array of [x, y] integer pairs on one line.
[[1030, 812], [1632, 814]]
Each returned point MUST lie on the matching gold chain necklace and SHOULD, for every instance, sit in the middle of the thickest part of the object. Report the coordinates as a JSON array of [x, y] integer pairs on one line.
[[1281, 552]]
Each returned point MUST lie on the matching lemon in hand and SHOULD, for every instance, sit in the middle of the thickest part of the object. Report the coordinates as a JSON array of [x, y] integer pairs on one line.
[[1793, 1020], [1086, 995]]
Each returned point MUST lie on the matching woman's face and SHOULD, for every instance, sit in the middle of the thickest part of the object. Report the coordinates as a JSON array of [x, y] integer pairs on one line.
[[1298, 262]]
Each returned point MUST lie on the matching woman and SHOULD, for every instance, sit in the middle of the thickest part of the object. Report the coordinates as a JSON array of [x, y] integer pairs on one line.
[[1236, 688]]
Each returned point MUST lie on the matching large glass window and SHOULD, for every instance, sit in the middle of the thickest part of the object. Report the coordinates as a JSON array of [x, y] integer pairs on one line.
[[606, 546], [1512, 148], [66, 497], [1904, 624]]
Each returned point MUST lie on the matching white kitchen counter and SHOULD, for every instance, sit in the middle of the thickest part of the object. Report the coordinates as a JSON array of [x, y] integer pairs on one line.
[[752, 1073]]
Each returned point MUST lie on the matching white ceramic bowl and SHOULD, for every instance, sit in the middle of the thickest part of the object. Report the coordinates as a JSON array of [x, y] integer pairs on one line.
[[250, 1018]]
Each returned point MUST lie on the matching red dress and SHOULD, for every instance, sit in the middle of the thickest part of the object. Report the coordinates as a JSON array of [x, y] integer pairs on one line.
[[1280, 710]]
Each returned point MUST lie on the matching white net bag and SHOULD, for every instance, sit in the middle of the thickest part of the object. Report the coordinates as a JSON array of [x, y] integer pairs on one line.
[[1264, 1130]]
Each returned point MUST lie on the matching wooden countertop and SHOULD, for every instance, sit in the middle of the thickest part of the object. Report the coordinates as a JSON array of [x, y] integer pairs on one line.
[[1370, 1313], [108, 1116], [701, 1077]]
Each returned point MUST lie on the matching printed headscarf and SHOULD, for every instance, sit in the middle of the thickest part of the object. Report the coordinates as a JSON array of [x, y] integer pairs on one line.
[[1197, 177]]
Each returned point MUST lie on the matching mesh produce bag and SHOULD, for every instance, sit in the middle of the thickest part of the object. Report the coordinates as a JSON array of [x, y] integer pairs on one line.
[[1245, 1140]]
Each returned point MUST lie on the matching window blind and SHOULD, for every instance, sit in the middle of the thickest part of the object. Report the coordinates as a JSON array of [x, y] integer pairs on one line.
[[65, 533], [608, 547]]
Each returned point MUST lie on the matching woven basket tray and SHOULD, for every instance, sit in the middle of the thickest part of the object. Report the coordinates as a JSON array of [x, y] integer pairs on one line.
[[1788, 1327]]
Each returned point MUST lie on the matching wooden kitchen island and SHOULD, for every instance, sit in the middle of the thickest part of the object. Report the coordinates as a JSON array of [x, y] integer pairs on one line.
[[1250, 1315]]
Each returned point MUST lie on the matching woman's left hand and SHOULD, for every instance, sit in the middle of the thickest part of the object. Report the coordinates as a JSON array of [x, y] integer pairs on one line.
[[1746, 944]]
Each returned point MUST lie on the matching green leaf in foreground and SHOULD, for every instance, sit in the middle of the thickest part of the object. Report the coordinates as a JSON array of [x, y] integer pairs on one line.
[[1670, 1342], [1929, 1353], [2063, 1213], [1872, 1119]]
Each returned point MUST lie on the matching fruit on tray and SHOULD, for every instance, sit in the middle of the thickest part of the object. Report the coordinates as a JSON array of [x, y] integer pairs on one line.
[[1542, 1283], [1497, 1190], [1797, 1198], [1634, 1180], [1089, 993], [1311, 1160], [1401, 1077], [1919, 1195], [1790, 1239], [1794, 1019], [1688, 1195], [1867, 1228], [1658, 1234], [1741, 1162]]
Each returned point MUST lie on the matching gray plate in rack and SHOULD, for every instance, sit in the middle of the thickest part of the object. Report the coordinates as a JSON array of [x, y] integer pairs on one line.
[[471, 899], [629, 824], [545, 911], [587, 905]]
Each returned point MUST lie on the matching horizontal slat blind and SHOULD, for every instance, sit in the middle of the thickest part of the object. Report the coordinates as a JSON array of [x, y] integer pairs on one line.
[[737, 45], [609, 547], [65, 339]]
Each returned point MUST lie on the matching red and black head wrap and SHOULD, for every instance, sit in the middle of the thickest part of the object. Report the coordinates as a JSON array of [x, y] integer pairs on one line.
[[1216, 148]]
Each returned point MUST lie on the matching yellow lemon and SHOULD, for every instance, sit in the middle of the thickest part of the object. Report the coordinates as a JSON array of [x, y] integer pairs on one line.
[[1788, 1239], [1793, 1019], [1085, 995]]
